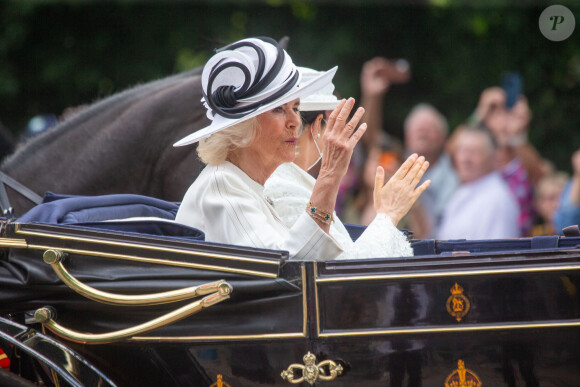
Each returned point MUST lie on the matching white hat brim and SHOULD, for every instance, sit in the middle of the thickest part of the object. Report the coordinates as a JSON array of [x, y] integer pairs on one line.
[[317, 106], [299, 91]]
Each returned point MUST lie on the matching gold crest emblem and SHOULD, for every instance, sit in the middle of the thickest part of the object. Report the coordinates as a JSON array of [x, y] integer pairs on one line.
[[310, 372], [457, 304], [462, 377], [220, 382]]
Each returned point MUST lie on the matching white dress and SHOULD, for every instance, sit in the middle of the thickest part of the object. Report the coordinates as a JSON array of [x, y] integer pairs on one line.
[[226, 204], [290, 189]]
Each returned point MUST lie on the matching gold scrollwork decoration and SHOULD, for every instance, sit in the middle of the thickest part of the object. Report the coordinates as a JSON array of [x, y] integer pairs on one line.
[[326, 370], [462, 377], [457, 304]]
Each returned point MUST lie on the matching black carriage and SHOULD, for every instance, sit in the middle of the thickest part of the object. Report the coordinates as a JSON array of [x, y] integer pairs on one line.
[[139, 302]]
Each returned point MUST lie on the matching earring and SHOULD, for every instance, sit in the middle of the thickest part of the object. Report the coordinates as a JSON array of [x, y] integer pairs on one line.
[[318, 135]]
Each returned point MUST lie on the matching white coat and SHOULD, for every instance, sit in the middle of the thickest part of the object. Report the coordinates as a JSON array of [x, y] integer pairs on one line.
[[226, 204]]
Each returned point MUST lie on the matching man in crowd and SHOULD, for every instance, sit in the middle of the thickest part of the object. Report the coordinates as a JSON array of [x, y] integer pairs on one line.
[[519, 163], [426, 132], [483, 206]]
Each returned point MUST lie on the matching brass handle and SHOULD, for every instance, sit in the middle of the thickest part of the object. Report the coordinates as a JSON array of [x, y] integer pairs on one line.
[[311, 372], [54, 259], [46, 316]]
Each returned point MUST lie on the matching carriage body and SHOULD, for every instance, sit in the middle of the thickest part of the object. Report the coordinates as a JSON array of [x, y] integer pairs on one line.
[[502, 312]]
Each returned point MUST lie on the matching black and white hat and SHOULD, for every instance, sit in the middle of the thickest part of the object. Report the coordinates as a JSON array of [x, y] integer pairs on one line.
[[247, 78]]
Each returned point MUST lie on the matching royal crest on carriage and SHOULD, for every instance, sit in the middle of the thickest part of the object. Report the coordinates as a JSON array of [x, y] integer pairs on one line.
[[220, 382], [462, 377], [311, 372], [457, 304]]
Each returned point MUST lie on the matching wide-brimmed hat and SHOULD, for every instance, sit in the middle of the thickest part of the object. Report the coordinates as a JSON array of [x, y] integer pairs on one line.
[[247, 78], [321, 100]]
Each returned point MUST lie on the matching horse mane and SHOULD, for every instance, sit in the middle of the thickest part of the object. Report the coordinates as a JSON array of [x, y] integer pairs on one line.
[[35, 144]]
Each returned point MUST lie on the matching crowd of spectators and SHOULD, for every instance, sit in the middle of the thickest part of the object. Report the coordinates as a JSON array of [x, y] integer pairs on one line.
[[487, 180]]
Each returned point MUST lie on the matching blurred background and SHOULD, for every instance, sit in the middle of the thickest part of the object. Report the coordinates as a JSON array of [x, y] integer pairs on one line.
[[56, 54]]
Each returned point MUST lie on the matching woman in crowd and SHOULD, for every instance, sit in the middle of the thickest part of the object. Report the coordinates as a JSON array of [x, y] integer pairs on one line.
[[546, 201], [252, 91], [568, 213], [291, 185]]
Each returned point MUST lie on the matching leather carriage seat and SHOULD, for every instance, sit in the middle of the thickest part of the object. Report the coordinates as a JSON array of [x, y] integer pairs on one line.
[[118, 212]]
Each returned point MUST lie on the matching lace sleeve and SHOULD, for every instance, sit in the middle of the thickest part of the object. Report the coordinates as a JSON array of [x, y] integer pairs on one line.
[[381, 239]]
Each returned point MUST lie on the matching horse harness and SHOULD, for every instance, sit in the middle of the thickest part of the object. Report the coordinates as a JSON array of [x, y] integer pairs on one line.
[[6, 180]]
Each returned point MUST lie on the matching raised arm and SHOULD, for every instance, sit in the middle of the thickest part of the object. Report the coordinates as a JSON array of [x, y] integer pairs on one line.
[[377, 76], [340, 139]]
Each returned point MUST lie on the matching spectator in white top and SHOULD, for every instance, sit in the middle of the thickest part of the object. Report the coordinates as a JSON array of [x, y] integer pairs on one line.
[[483, 206]]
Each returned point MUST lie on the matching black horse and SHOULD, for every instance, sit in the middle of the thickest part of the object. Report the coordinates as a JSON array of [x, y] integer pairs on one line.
[[120, 144]]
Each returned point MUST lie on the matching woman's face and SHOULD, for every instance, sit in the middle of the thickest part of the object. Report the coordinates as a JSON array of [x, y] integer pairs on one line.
[[276, 141]]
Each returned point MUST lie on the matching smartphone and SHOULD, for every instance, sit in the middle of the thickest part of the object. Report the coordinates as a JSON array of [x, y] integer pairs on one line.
[[511, 83]]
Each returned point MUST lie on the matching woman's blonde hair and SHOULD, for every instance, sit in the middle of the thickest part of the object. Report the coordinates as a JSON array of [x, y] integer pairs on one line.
[[214, 149]]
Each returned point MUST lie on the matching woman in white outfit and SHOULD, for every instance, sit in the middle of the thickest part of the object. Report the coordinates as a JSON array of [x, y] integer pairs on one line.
[[252, 91], [291, 185]]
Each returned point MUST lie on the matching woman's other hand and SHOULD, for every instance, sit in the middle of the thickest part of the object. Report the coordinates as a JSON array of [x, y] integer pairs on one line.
[[397, 196]]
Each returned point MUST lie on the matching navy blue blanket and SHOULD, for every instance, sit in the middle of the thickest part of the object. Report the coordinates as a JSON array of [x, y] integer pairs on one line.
[[96, 211]]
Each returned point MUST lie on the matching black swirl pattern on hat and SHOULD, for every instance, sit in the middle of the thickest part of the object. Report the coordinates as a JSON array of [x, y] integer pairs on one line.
[[224, 100]]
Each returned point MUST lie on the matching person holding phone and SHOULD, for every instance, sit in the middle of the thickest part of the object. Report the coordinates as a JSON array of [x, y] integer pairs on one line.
[[506, 113]]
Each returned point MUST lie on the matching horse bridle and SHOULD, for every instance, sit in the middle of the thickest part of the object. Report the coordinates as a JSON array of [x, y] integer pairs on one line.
[[6, 180]]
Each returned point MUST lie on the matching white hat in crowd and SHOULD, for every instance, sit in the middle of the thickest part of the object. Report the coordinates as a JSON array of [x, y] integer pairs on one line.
[[247, 78], [323, 99]]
